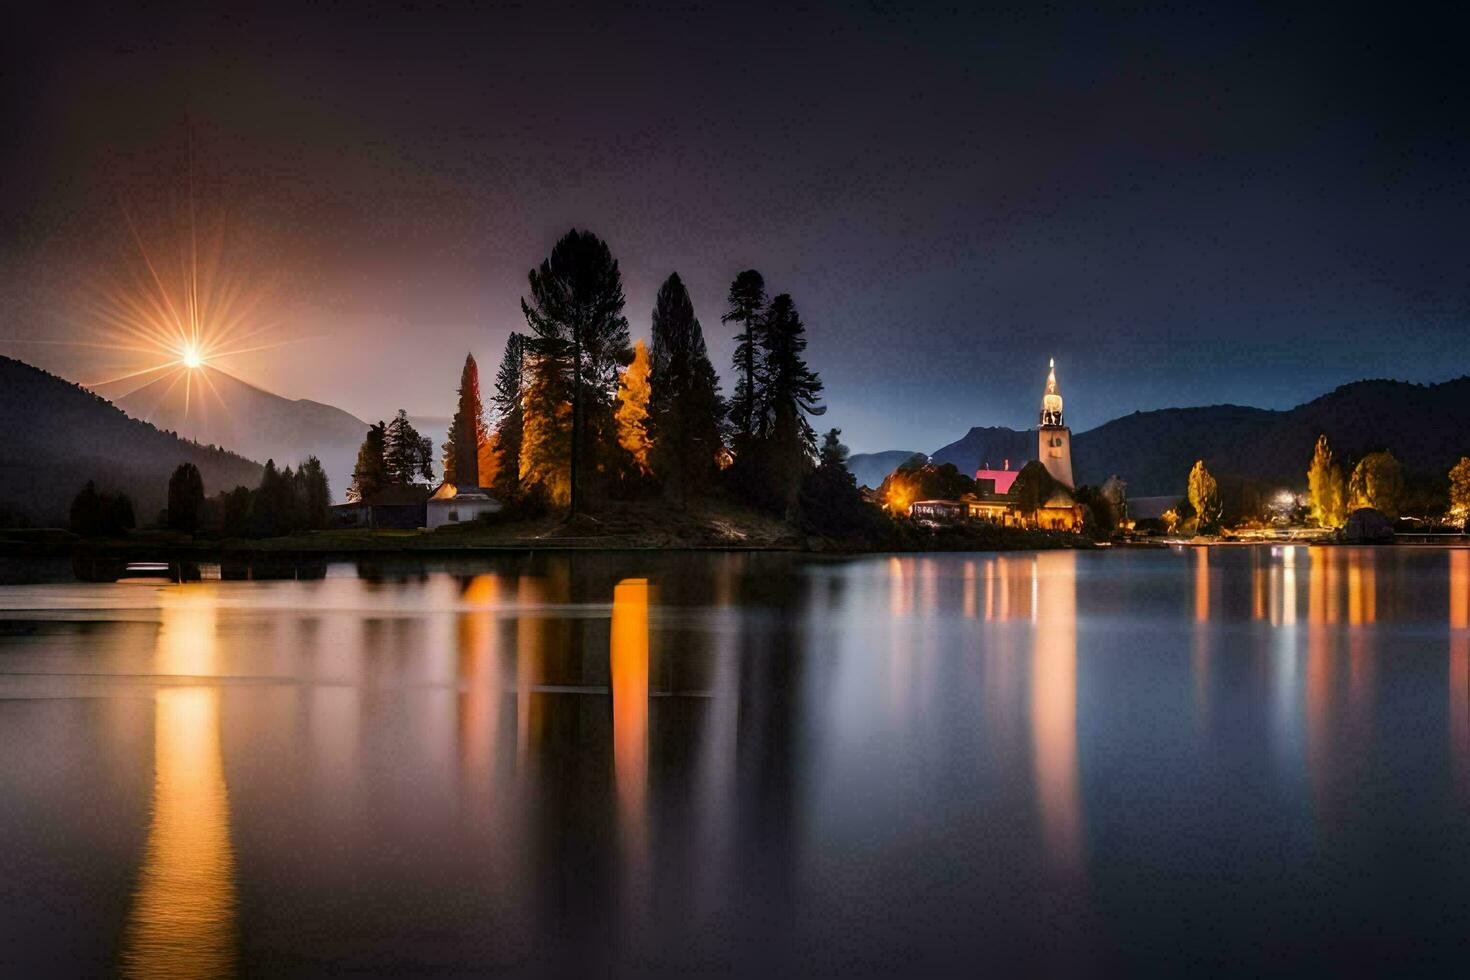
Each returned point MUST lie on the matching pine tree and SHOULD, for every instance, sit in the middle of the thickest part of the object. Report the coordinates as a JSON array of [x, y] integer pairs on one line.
[[575, 314], [407, 455], [371, 472], [545, 463], [747, 305], [509, 401], [315, 493], [632, 412], [466, 430], [789, 393], [185, 498], [686, 409]]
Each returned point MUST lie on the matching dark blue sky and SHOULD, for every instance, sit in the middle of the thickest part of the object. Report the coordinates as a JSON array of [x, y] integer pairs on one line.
[[1183, 207]]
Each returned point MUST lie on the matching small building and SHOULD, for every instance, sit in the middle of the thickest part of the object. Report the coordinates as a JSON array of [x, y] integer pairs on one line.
[[453, 504], [401, 507], [938, 511], [991, 507], [1059, 513]]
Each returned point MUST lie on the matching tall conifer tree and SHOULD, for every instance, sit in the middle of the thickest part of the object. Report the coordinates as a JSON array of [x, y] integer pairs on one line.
[[466, 430], [686, 407], [747, 305]]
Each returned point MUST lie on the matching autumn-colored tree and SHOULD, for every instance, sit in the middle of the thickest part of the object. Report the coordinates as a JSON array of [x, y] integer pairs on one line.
[[1460, 490], [466, 430], [1377, 482], [1204, 497], [545, 461], [1327, 487], [632, 413]]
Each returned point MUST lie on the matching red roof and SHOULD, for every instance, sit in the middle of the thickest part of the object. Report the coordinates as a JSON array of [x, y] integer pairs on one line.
[[1003, 478]]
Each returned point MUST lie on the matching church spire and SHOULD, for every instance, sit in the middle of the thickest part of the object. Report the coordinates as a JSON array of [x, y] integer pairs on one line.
[[1051, 401]]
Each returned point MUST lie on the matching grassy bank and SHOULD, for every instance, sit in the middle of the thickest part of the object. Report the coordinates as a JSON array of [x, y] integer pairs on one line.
[[632, 526]]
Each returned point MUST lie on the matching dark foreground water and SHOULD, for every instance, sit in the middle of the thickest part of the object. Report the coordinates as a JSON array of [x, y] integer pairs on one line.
[[1204, 761]]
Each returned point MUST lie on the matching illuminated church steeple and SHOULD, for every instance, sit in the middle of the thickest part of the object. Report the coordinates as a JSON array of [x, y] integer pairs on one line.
[[1051, 401], [1054, 439]]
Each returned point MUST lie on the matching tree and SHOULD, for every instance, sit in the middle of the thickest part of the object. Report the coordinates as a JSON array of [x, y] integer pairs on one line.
[[96, 513], [545, 463], [632, 413], [1032, 488], [789, 393], [923, 481], [1377, 482], [371, 472], [185, 498], [747, 306], [580, 337], [1101, 519], [1460, 490], [407, 456], [314, 493], [509, 401], [1204, 497], [1326, 487], [237, 507], [833, 452], [466, 430], [685, 409], [1115, 491], [274, 505]]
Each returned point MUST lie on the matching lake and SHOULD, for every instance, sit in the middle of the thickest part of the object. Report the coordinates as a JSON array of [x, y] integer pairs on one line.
[[1203, 760]]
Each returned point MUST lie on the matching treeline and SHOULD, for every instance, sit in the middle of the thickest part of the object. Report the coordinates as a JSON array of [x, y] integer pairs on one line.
[[285, 502], [582, 415]]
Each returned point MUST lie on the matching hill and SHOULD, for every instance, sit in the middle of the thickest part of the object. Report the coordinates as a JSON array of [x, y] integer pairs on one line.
[[869, 469], [988, 444], [58, 435], [219, 408]]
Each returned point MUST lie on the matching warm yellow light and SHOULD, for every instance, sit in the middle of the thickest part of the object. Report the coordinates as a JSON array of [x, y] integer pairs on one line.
[[190, 357]]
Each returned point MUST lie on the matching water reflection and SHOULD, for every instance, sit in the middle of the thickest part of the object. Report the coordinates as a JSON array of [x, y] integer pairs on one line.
[[1459, 603], [182, 922], [1054, 706], [628, 662]]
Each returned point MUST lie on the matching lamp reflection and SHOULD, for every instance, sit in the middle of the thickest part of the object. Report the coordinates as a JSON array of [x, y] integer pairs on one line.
[[478, 700], [182, 920], [1054, 706], [628, 661], [1460, 665]]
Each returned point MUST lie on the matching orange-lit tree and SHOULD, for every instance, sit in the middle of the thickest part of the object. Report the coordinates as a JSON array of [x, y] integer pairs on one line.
[[466, 430], [509, 401], [632, 412], [1326, 487]]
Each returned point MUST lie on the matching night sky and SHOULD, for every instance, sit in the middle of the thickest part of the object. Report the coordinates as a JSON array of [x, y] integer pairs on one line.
[[1184, 207]]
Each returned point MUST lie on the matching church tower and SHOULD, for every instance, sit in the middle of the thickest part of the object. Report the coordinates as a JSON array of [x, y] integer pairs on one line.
[[1053, 439]]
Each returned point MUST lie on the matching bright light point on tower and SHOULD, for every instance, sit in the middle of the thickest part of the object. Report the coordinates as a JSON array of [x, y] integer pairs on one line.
[[191, 358]]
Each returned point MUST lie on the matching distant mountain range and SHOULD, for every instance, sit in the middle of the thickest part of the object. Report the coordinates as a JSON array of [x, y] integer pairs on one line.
[[57, 435], [1426, 426], [217, 408]]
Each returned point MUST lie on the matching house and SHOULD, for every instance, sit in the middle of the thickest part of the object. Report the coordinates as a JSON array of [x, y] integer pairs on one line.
[[938, 511], [401, 506], [454, 504]]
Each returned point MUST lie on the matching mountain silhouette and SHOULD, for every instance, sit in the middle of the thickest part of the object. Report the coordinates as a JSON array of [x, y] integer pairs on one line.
[[1426, 426], [209, 405], [57, 435]]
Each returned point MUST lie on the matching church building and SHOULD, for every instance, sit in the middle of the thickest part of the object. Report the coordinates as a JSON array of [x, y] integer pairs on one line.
[[1054, 439]]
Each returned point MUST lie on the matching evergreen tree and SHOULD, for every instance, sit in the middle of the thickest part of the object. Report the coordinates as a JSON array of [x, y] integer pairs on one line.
[[185, 498], [830, 503], [509, 400], [274, 506], [238, 504], [466, 430], [1327, 487], [788, 395], [1204, 497], [545, 463], [96, 513], [685, 408], [407, 456], [371, 472], [632, 412], [747, 305], [580, 335], [314, 492], [833, 452]]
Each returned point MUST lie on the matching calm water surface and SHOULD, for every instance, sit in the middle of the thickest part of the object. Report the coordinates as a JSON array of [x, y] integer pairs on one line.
[[1208, 760]]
